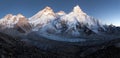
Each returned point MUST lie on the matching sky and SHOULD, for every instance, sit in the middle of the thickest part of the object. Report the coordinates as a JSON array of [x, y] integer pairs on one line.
[[107, 11]]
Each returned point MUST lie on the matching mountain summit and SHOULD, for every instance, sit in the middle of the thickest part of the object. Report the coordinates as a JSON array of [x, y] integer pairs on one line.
[[77, 9], [46, 11]]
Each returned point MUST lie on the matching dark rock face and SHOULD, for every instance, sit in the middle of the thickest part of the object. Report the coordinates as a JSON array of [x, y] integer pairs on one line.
[[23, 25], [14, 48]]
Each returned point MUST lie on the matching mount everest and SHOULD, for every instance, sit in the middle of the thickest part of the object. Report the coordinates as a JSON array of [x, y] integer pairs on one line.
[[50, 30]]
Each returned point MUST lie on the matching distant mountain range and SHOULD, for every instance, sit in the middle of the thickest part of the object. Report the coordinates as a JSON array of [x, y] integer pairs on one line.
[[50, 30]]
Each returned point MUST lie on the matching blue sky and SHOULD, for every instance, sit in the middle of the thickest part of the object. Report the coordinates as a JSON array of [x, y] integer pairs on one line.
[[108, 11]]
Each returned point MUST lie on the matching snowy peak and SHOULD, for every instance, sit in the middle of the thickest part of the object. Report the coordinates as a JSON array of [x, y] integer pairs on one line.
[[13, 17], [61, 13], [8, 16], [20, 16], [10, 20], [42, 18], [77, 9], [47, 10]]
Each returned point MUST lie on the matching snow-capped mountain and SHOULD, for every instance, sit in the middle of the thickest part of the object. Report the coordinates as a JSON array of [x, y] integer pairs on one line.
[[10, 23], [42, 18], [10, 20], [75, 20], [75, 23], [72, 24]]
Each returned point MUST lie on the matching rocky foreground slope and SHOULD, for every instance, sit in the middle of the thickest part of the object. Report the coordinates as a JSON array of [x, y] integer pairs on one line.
[[14, 48]]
